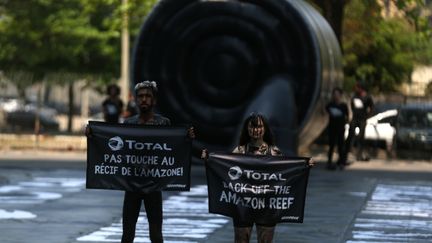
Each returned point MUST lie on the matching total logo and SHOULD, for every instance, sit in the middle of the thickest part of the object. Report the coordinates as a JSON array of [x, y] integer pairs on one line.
[[236, 172], [116, 143]]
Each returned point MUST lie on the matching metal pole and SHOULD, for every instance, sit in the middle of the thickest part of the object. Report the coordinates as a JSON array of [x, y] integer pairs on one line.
[[37, 127], [124, 80]]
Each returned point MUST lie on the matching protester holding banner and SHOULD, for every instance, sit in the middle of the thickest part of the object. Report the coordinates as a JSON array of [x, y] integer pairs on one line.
[[145, 93], [256, 139]]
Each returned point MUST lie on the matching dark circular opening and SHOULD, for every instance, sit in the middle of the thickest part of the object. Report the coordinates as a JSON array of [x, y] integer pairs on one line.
[[222, 70]]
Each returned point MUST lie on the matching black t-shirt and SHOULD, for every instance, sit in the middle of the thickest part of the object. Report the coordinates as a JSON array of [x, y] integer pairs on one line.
[[112, 110], [361, 107], [338, 114], [131, 108], [157, 120]]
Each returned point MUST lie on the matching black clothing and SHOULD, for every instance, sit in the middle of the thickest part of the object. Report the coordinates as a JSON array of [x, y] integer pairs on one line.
[[336, 137], [244, 223], [361, 107], [112, 110], [132, 108], [360, 141], [157, 120], [152, 201], [264, 149], [131, 208], [338, 116]]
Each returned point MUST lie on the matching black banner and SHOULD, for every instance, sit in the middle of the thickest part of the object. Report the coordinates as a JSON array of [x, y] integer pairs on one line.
[[261, 189], [138, 158]]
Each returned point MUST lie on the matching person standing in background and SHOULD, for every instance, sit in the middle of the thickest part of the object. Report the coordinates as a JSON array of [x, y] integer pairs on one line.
[[131, 107], [338, 117], [112, 106], [362, 107]]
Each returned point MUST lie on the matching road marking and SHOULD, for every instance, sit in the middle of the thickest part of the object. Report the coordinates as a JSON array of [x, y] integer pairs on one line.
[[16, 214], [186, 220], [38, 190], [396, 213]]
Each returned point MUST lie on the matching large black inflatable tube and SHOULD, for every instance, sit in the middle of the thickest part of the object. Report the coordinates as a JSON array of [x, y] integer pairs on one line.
[[215, 61]]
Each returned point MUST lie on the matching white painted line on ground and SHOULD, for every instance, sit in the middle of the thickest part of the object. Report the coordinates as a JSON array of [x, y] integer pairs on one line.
[[186, 220], [358, 194], [396, 213], [38, 190], [16, 214]]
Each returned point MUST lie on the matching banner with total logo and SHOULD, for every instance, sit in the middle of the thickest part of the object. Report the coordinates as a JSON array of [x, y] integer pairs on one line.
[[138, 158], [262, 189]]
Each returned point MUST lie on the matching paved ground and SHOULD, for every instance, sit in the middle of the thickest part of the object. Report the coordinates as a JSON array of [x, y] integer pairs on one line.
[[369, 202], [376, 201]]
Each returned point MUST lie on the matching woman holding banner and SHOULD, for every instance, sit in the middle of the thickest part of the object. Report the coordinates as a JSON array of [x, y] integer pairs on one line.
[[256, 138]]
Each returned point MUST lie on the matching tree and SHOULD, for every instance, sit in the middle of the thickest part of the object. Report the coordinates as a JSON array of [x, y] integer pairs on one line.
[[47, 35], [333, 12], [74, 36], [379, 51], [382, 52], [82, 37]]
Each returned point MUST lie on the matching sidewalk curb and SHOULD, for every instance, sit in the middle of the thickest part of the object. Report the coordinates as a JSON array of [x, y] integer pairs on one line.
[[42, 155], [42, 142]]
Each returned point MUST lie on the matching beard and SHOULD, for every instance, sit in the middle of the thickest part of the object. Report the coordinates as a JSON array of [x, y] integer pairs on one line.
[[146, 109]]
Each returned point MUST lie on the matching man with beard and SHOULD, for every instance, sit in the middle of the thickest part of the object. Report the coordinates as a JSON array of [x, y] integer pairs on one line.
[[145, 93]]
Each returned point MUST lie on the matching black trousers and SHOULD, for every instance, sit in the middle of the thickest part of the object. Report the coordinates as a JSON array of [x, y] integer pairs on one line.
[[336, 137], [361, 124], [247, 223], [131, 208]]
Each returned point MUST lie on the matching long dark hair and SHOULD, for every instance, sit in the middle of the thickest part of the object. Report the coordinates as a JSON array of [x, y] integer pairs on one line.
[[114, 87], [254, 119]]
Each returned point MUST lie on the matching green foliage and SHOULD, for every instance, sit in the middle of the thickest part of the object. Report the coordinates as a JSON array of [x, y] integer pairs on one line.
[[68, 36], [81, 38], [428, 90], [382, 52]]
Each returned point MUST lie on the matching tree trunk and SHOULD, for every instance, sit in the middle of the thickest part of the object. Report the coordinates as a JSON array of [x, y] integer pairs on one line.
[[37, 125], [333, 12], [71, 106]]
